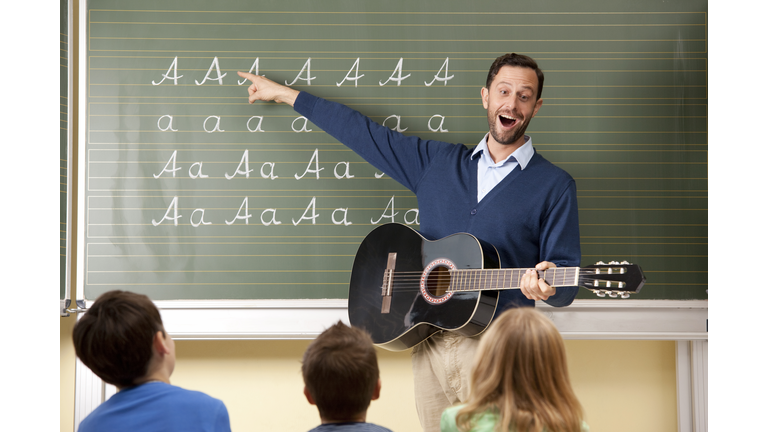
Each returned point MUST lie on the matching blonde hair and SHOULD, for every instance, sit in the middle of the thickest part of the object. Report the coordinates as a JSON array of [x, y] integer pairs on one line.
[[520, 374]]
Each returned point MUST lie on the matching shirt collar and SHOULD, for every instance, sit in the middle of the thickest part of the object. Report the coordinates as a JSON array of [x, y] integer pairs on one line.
[[522, 155]]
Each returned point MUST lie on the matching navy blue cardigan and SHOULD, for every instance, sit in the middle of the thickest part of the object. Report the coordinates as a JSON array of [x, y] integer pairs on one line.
[[531, 216]]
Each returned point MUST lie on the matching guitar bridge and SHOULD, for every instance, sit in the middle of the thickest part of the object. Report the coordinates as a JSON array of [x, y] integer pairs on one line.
[[386, 286]]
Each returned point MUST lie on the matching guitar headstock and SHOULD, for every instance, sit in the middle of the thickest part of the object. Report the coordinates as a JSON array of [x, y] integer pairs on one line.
[[615, 279]]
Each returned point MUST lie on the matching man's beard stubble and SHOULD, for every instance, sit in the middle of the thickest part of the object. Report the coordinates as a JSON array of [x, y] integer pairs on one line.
[[516, 133]]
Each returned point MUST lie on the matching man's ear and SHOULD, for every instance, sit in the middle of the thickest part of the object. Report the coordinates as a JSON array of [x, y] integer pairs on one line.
[[484, 97], [160, 344], [537, 106], [376, 390], [308, 396]]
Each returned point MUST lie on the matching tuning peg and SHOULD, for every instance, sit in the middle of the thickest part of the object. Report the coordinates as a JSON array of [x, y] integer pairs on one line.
[[624, 294], [599, 263], [625, 263], [612, 294], [613, 263], [600, 293]]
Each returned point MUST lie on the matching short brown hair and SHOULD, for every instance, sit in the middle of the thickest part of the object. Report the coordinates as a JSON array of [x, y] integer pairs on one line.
[[114, 337], [341, 372], [518, 60]]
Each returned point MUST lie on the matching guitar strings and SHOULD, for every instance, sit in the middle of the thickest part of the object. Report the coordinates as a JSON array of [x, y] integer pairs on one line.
[[488, 279]]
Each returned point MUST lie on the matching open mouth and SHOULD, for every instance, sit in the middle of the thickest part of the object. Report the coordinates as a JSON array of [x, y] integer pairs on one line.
[[507, 121]]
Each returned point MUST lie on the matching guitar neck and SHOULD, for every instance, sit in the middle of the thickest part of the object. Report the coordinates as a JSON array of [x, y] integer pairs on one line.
[[501, 279]]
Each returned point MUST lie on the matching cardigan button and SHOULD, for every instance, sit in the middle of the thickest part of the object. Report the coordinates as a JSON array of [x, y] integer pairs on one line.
[[474, 211]]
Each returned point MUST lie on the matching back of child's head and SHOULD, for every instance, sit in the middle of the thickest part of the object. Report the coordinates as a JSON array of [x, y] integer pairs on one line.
[[520, 371], [341, 372], [114, 337]]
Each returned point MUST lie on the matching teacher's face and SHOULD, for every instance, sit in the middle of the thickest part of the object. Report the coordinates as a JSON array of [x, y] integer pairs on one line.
[[511, 102]]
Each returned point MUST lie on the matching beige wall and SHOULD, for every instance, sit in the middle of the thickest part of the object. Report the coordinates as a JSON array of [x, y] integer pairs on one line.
[[66, 374], [624, 386]]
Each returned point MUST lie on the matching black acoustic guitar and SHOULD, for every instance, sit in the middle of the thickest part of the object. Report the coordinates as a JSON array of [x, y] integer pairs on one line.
[[404, 288]]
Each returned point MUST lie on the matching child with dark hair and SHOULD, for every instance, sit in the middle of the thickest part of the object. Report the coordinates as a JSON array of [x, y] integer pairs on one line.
[[341, 377], [121, 338]]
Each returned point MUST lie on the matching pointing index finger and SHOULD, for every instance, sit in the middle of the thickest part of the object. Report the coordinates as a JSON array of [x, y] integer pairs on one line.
[[249, 76]]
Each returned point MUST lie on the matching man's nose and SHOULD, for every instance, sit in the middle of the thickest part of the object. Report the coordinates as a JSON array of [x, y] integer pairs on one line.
[[510, 103]]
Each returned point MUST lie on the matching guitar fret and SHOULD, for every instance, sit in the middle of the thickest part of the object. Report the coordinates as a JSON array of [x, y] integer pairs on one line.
[[499, 279]]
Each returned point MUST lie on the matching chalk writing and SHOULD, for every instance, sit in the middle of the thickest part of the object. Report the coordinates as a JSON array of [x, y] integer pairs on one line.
[[271, 174], [242, 213], [200, 220], [388, 215], [316, 170], [305, 74], [268, 216], [303, 128], [243, 164], [354, 78], [174, 206], [342, 170], [444, 79], [273, 220], [397, 125], [311, 211], [414, 217], [346, 173], [258, 126], [343, 220], [199, 174], [175, 76], [170, 123], [309, 77], [172, 163], [215, 126], [219, 77], [439, 128], [399, 71]]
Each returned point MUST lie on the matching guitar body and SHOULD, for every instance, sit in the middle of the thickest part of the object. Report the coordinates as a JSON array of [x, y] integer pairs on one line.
[[419, 305]]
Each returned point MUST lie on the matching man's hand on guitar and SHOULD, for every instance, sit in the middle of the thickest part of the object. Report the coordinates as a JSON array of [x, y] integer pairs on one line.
[[534, 288]]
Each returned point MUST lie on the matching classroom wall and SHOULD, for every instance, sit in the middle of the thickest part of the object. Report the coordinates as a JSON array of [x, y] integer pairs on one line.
[[626, 386], [66, 374]]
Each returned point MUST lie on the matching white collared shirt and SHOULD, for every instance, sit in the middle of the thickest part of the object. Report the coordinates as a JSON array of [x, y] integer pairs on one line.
[[490, 173]]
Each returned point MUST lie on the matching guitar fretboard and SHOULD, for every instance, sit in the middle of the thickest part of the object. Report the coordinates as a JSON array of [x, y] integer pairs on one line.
[[497, 279]]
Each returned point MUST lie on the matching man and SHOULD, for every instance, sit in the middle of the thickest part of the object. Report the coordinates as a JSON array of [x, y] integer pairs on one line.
[[502, 192], [122, 340], [341, 377]]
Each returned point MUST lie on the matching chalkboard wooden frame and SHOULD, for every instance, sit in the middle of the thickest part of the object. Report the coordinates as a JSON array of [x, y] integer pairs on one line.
[[65, 297]]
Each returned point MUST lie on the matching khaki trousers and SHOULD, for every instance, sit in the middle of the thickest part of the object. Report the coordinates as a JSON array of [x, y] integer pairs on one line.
[[441, 371]]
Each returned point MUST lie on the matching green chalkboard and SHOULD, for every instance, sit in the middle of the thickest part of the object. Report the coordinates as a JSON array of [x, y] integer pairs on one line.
[[625, 112]]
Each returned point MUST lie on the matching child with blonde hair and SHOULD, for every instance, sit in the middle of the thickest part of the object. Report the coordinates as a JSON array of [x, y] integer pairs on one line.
[[519, 380]]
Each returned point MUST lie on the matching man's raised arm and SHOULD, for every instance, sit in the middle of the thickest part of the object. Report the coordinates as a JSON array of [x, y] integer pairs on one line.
[[264, 89]]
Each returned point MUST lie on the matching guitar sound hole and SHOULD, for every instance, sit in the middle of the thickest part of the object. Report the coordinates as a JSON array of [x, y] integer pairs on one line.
[[438, 281]]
